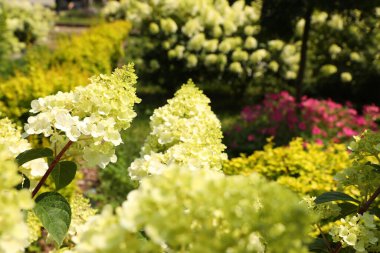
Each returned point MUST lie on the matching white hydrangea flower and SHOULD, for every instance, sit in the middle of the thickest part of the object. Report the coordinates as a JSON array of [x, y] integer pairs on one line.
[[168, 25], [236, 211], [357, 231], [185, 131], [10, 137], [336, 22], [258, 56], [91, 116], [192, 27], [13, 229]]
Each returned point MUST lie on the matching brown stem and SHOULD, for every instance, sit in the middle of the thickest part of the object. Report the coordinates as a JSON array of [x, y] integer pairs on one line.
[[338, 248], [366, 205], [364, 208], [51, 167], [324, 238]]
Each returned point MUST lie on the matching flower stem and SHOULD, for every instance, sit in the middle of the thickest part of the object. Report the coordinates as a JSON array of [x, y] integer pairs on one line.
[[51, 167]]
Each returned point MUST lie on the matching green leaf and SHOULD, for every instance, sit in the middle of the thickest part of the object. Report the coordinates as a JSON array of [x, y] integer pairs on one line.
[[375, 211], [333, 196], [32, 154], [347, 209], [63, 174], [55, 214], [376, 167], [318, 245], [25, 184]]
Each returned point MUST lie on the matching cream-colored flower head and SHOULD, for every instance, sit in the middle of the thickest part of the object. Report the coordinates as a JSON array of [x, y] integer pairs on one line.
[[91, 116], [185, 131], [10, 137], [13, 229]]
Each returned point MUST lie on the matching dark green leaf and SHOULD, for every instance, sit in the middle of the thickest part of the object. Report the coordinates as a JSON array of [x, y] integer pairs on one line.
[[54, 213], [347, 209], [32, 154], [333, 196], [25, 184], [376, 167], [318, 245], [63, 174], [375, 211]]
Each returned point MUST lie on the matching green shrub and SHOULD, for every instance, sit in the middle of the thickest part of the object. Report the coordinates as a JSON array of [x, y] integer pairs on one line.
[[71, 64]]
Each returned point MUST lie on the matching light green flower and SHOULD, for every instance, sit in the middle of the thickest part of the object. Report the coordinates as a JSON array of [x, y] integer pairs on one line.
[[91, 116]]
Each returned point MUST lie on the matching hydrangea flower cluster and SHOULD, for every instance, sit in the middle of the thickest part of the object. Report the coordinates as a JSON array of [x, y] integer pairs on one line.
[[252, 215], [359, 232], [13, 229], [320, 121], [26, 23], [343, 46], [205, 37], [183, 132], [324, 210], [91, 116], [10, 137]]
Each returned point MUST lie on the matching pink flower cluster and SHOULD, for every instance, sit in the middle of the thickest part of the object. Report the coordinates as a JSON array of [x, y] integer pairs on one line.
[[318, 120]]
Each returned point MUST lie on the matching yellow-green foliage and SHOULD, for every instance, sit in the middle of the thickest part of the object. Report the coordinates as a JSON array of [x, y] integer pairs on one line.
[[304, 168], [97, 50], [74, 60], [17, 92]]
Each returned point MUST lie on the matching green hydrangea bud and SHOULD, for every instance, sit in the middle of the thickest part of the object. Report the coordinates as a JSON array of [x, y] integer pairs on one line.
[[275, 45], [168, 25], [274, 66], [196, 42], [334, 49], [250, 30], [354, 56], [250, 43], [211, 45], [191, 60], [336, 22], [210, 59], [154, 28], [236, 67], [328, 70], [346, 77], [258, 56]]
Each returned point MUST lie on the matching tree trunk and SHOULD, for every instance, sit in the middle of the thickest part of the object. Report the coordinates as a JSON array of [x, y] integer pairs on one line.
[[302, 66]]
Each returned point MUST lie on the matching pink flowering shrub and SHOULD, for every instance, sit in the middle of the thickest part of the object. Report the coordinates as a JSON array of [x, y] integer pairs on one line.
[[319, 121]]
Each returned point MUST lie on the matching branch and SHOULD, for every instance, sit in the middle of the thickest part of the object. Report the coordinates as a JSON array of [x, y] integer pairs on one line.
[[51, 167]]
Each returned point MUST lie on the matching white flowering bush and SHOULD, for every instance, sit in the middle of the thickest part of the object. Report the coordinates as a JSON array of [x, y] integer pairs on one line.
[[183, 132], [26, 23], [211, 40], [13, 229], [181, 210], [343, 46], [83, 126], [184, 203]]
